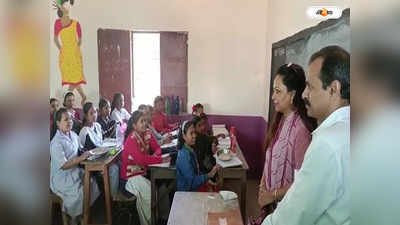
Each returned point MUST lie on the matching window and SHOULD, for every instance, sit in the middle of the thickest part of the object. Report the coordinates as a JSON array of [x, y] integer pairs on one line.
[[146, 68], [142, 65]]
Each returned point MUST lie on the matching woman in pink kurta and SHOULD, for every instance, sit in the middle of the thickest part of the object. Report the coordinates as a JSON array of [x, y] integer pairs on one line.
[[288, 137]]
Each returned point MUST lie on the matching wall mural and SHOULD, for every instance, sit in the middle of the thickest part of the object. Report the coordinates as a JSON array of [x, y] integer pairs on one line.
[[70, 57]]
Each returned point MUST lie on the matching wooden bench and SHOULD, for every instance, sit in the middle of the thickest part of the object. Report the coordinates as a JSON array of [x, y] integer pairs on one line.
[[56, 200], [124, 207]]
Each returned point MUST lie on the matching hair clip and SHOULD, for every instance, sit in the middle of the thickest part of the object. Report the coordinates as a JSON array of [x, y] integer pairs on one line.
[[183, 126]]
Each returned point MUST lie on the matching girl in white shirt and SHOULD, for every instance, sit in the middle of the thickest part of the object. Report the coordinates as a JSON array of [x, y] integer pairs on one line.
[[118, 112], [91, 133], [91, 137]]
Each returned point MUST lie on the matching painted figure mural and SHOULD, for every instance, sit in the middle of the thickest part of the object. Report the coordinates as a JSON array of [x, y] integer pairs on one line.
[[68, 39]]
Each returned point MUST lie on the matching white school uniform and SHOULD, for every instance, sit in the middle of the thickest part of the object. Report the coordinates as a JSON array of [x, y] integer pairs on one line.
[[95, 134], [120, 115], [68, 184]]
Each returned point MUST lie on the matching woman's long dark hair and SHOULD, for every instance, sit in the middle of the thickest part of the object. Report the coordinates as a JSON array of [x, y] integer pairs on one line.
[[294, 79], [117, 96], [183, 131], [197, 119], [86, 108], [102, 103], [132, 121], [57, 117]]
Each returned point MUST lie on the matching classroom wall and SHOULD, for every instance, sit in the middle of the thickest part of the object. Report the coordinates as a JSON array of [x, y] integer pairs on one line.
[[227, 47], [285, 18]]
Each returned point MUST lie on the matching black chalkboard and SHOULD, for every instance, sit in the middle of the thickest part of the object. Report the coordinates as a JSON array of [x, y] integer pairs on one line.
[[299, 47]]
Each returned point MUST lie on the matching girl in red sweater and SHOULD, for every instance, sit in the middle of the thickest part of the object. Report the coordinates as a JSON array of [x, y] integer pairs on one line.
[[140, 150]]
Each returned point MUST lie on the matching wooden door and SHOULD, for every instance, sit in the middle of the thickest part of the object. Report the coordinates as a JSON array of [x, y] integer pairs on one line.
[[115, 64]]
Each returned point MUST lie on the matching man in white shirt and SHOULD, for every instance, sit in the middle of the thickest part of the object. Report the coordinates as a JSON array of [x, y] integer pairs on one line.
[[320, 192]]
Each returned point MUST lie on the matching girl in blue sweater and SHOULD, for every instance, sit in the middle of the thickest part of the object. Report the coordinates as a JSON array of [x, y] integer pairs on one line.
[[187, 166]]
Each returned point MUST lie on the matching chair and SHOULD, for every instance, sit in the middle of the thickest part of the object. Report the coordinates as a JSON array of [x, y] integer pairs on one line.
[[55, 199], [124, 210]]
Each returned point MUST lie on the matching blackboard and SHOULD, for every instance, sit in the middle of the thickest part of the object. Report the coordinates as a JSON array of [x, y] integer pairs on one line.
[[299, 47]]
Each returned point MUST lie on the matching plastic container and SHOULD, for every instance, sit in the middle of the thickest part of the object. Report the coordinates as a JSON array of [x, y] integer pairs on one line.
[[232, 135]]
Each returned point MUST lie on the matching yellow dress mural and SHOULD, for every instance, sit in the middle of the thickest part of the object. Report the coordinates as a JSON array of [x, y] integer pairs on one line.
[[69, 32], [70, 59]]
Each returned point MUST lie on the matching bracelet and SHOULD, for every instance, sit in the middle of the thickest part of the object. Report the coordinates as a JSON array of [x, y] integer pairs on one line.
[[275, 195]]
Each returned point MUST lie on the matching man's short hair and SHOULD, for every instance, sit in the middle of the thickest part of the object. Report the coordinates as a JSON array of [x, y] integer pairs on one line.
[[335, 66]]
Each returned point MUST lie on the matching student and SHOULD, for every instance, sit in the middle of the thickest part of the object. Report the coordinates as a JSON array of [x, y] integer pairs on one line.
[[197, 109], [54, 105], [107, 124], [142, 107], [320, 193], [214, 144], [188, 174], [66, 178], [91, 136], [159, 118], [207, 128], [161, 139], [203, 146], [136, 157], [118, 112], [69, 101]]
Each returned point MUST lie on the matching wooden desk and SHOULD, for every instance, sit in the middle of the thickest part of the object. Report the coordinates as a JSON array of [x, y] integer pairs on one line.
[[164, 171], [101, 164], [193, 207]]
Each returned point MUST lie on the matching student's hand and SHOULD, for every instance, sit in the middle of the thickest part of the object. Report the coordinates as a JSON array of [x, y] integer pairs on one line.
[[84, 155], [134, 168], [214, 171], [167, 140], [113, 129], [166, 159]]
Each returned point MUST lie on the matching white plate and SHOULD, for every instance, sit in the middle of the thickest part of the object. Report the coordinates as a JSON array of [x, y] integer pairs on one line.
[[98, 151], [228, 195]]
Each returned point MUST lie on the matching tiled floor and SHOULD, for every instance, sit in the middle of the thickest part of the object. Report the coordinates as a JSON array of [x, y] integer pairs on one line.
[[98, 212]]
